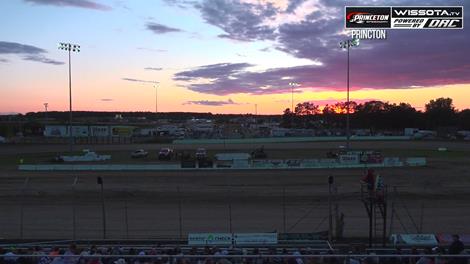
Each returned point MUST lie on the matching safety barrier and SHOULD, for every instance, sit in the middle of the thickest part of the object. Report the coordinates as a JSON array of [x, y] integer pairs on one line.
[[287, 140], [255, 164]]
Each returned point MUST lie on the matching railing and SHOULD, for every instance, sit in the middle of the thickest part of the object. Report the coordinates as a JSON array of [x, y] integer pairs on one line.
[[238, 258]]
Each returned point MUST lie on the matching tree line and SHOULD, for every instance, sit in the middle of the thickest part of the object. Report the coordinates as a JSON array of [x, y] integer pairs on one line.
[[377, 115]]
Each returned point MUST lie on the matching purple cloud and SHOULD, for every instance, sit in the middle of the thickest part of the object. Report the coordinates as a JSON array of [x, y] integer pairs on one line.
[[407, 59], [73, 3], [211, 103], [153, 69], [161, 29], [41, 58], [240, 21], [213, 71], [28, 52]]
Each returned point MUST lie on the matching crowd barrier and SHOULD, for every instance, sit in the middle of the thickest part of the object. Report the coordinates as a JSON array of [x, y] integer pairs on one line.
[[255, 164], [288, 140]]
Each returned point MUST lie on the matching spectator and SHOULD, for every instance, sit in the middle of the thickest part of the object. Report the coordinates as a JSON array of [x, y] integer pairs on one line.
[[456, 248], [369, 180]]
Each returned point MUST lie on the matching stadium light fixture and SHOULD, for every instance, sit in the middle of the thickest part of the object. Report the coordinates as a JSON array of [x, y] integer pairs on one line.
[[70, 48], [346, 44]]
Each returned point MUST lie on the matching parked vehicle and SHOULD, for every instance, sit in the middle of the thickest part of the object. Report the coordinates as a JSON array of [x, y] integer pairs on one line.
[[140, 153], [165, 154], [201, 153]]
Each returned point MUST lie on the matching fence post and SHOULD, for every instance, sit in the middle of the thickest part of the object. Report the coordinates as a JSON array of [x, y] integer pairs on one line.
[[74, 209], [284, 217], [180, 216], [23, 188], [126, 215]]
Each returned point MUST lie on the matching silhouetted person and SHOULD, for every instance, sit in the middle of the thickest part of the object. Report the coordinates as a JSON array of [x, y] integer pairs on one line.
[[456, 248]]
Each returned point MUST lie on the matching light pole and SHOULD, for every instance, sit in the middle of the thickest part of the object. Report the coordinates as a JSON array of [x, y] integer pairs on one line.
[[156, 98], [346, 45], [45, 108], [70, 48], [292, 86]]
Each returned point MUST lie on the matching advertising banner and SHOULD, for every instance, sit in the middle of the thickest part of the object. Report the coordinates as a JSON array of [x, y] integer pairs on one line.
[[209, 239], [415, 239], [255, 238]]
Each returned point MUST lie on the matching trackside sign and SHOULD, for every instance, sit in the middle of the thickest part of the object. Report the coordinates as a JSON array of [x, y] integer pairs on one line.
[[255, 238], [209, 239], [198, 239]]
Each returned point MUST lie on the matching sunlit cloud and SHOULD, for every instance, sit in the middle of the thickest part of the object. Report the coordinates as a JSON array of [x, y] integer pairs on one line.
[[138, 80], [211, 103]]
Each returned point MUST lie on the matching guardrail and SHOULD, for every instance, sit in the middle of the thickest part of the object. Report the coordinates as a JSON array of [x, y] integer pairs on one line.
[[255, 164], [226, 255]]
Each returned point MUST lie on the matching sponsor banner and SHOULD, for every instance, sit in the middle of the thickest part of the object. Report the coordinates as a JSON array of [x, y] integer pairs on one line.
[[403, 17], [322, 235], [415, 239], [255, 238], [209, 239]]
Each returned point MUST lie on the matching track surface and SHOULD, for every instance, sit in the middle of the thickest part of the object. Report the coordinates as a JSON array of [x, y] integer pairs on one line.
[[435, 198]]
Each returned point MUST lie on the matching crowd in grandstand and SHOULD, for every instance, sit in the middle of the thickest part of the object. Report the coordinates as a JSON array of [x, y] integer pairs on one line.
[[215, 255]]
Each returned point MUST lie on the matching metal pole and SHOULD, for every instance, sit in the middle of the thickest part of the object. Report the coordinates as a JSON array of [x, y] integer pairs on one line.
[[371, 217], [180, 215], [284, 216], [384, 227], [330, 213], [392, 210], [126, 215], [230, 212], [292, 99], [103, 210], [336, 212], [347, 108], [74, 209], [45, 106], [23, 188], [156, 99], [421, 218], [70, 101]]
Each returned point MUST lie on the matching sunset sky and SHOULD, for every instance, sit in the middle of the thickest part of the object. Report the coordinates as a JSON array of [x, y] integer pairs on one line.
[[219, 56]]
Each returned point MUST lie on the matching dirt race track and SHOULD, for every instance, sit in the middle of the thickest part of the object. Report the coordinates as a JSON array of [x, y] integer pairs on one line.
[[435, 198]]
